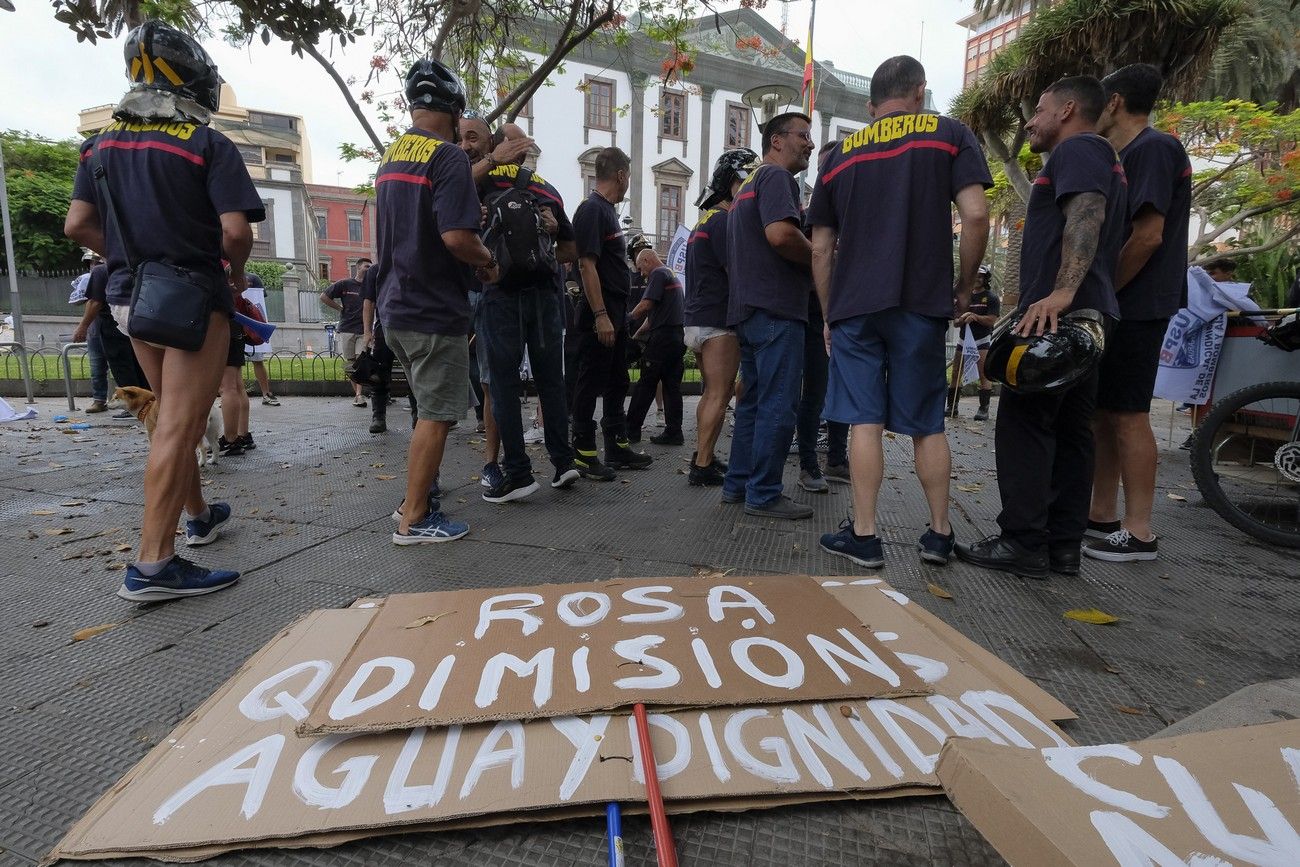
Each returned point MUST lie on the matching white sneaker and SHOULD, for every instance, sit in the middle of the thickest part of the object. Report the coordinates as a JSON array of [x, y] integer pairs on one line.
[[534, 435]]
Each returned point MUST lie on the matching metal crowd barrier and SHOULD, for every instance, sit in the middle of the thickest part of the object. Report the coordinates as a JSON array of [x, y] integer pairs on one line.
[[24, 367], [66, 364]]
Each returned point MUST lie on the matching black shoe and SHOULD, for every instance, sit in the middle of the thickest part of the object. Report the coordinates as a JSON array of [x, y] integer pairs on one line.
[[706, 477], [1101, 529], [620, 457], [378, 423], [981, 414], [509, 490], [1004, 555], [588, 464], [634, 435], [229, 448], [566, 477], [246, 442], [1063, 559], [669, 438]]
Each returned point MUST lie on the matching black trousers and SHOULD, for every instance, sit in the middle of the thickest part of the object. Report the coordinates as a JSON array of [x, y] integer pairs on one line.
[[662, 362], [1045, 460], [602, 376], [119, 353]]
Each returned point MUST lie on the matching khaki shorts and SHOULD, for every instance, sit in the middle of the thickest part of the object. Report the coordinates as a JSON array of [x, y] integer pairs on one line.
[[698, 335], [349, 345], [437, 368]]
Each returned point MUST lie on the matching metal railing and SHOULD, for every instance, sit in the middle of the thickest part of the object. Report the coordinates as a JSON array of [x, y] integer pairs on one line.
[[24, 367], [66, 364]]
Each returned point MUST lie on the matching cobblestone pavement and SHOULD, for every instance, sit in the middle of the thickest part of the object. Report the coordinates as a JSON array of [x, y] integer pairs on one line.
[[1216, 612]]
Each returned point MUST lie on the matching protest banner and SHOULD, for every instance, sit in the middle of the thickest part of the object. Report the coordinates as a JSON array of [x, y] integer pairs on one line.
[[235, 773], [1211, 799], [469, 656]]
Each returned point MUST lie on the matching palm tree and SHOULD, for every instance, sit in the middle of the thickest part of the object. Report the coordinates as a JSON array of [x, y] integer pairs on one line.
[[1258, 58]]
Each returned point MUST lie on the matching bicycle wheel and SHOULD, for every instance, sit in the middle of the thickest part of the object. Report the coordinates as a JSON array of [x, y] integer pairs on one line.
[[1246, 461]]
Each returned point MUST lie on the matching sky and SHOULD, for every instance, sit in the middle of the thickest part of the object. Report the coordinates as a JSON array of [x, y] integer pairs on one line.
[[46, 77]]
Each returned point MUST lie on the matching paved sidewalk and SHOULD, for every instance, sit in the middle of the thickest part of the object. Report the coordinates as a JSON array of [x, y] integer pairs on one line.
[[1217, 612]]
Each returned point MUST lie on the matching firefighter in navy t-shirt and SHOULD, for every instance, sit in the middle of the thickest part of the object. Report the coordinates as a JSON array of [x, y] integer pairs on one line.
[[768, 261], [660, 333], [1073, 231], [882, 239], [183, 195], [980, 317], [602, 323], [1152, 286], [345, 297], [427, 216]]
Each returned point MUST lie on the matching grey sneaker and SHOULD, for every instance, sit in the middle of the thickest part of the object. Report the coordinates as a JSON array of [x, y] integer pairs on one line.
[[837, 473], [813, 482], [782, 507]]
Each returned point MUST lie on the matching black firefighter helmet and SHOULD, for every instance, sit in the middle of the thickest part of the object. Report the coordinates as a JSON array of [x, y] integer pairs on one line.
[[638, 243], [1049, 362], [431, 85], [731, 165], [160, 57]]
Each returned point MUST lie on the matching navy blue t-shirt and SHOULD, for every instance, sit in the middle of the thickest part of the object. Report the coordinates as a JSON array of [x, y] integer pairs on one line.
[[983, 303], [599, 236], [888, 192], [545, 194], [170, 182], [348, 293], [1160, 176], [706, 271], [1083, 163], [665, 290], [759, 277], [97, 285], [424, 187]]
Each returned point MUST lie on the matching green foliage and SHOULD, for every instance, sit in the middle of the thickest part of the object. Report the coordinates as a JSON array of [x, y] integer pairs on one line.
[[271, 273], [1271, 272], [39, 174], [1259, 56]]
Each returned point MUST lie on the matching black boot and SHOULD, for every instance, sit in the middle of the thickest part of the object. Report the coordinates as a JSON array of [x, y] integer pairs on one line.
[[982, 414], [378, 415], [619, 455], [670, 437], [587, 461]]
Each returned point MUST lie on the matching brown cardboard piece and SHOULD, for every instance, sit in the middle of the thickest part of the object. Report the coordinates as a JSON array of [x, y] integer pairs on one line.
[[469, 656], [278, 789], [1212, 798]]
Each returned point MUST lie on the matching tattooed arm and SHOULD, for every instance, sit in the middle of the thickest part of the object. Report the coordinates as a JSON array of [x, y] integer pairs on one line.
[[1084, 215]]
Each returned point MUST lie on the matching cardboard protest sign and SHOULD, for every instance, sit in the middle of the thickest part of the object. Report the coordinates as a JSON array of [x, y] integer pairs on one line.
[[1210, 799], [235, 773], [475, 655]]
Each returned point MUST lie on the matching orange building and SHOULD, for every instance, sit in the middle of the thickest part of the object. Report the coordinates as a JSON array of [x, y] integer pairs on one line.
[[988, 34]]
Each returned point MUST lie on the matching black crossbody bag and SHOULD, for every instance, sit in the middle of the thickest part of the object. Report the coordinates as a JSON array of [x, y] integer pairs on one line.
[[170, 306]]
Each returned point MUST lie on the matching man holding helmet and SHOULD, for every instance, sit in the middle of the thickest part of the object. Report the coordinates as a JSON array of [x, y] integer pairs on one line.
[[429, 256], [183, 195], [1048, 358], [716, 348]]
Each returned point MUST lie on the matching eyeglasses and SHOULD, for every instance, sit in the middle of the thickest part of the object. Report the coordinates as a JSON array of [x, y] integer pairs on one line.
[[806, 136]]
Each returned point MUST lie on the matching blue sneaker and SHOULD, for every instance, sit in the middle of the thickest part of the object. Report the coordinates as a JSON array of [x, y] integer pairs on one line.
[[491, 477], [866, 551], [206, 532], [435, 495], [178, 578], [936, 548], [436, 527]]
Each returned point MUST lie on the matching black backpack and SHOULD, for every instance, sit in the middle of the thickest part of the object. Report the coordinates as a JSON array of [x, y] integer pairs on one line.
[[514, 234]]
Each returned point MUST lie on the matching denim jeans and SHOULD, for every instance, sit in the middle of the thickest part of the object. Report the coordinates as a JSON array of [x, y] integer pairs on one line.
[[509, 322], [771, 366], [98, 363]]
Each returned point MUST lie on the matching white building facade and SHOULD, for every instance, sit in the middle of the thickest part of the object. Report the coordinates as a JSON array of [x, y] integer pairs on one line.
[[674, 130]]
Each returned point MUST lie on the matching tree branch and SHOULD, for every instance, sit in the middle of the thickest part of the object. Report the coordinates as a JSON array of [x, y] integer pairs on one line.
[[517, 98], [1249, 251], [347, 95], [1010, 165], [1209, 235]]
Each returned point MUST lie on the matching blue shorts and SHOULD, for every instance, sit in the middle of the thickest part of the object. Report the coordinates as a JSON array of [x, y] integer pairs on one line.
[[888, 368]]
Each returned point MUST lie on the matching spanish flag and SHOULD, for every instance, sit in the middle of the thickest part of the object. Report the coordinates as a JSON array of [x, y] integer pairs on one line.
[[809, 94]]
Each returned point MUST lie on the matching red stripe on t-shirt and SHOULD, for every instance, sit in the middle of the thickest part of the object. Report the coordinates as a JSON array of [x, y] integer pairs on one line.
[[1187, 172], [925, 144], [614, 235], [748, 194], [532, 188], [699, 235], [405, 178], [197, 159], [1042, 181]]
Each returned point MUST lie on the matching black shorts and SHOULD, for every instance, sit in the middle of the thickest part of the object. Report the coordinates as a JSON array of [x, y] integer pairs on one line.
[[235, 355], [1127, 376]]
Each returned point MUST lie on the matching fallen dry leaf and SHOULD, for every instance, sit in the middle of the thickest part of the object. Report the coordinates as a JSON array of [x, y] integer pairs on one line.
[[1091, 615], [92, 631], [115, 567], [43, 512], [121, 546], [936, 590], [846, 711], [58, 531], [1177, 498], [1132, 711], [73, 503], [970, 489], [385, 478], [426, 620], [376, 466]]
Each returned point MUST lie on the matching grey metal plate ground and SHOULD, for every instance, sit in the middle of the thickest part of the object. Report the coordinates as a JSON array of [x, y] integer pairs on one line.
[[1216, 613]]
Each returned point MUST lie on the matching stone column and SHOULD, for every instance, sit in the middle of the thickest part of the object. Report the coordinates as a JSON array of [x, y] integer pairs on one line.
[[706, 134], [636, 149]]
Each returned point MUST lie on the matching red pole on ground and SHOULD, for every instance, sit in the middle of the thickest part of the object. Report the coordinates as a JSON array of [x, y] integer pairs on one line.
[[665, 849]]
